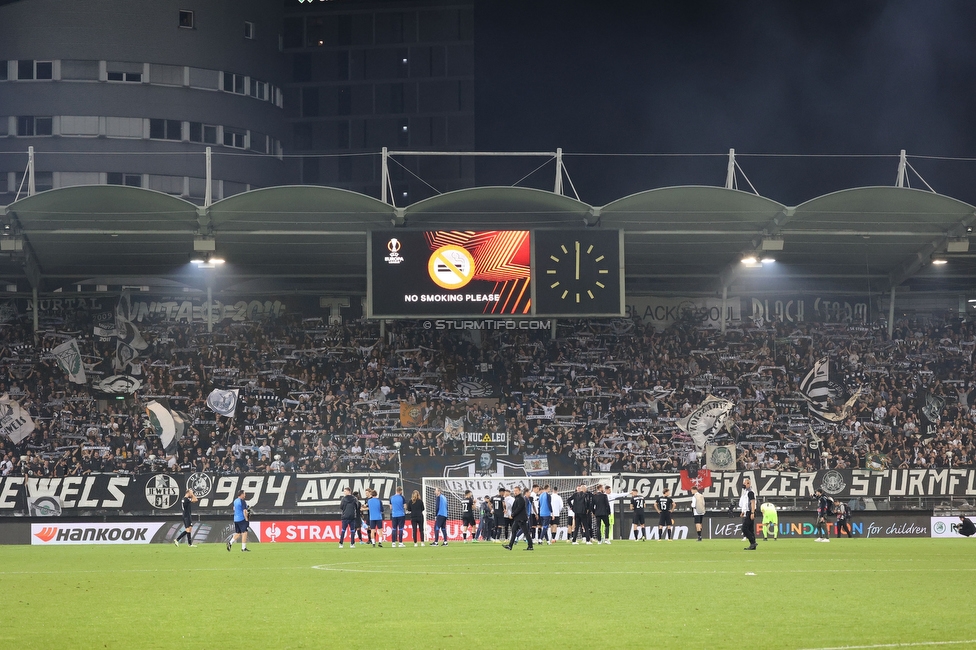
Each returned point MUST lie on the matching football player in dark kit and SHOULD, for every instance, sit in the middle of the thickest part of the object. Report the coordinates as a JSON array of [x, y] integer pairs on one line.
[[637, 508], [498, 508], [520, 520], [825, 508], [467, 517], [188, 499], [664, 505]]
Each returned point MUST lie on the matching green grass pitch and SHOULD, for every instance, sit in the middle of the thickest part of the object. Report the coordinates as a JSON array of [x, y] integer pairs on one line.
[[788, 594]]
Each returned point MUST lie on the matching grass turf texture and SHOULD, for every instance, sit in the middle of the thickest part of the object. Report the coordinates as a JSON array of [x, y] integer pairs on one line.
[[861, 592]]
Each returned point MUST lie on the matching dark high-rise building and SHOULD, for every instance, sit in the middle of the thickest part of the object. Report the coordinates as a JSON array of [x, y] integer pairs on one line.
[[367, 75], [132, 93]]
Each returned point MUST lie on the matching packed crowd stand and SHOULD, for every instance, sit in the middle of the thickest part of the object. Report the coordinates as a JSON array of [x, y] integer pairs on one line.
[[604, 394]]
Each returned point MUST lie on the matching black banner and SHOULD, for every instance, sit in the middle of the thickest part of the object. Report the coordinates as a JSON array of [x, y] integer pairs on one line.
[[162, 492], [843, 483], [145, 493]]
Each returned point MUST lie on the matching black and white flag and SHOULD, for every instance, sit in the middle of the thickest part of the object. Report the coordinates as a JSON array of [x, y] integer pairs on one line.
[[930, 408], [167, 423], [69, 359], [823, 392], [705, 419], [129, 342], [223, 402], [15, 421]]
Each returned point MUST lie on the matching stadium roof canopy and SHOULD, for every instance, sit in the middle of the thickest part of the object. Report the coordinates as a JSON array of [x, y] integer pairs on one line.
[[683, 240]]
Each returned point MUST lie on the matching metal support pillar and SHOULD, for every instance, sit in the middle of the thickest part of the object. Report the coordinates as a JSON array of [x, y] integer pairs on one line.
[[891, 313], [208, 192], [902, 169], [30, 172], [37, 309], [209, 306], [725, 303], [385, 177], [730, 174], [552, 331], [558, 189]]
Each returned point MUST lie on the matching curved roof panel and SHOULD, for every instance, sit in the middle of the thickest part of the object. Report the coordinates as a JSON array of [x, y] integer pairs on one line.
[[300, 208], [497, 207]]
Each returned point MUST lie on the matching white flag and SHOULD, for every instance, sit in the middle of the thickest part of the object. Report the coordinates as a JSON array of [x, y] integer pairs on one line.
[[15, 422], [705, 419], [169, 424], [223, 402], [69, 358]]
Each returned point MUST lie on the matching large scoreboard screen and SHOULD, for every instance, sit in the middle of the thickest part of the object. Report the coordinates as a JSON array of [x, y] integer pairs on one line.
[[449, 273]]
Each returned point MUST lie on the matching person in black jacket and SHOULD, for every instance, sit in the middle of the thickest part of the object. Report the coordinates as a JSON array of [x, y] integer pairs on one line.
[[579, 503], [601, 510], [416, 509], [520, 520], [966, 527], [348, 509]]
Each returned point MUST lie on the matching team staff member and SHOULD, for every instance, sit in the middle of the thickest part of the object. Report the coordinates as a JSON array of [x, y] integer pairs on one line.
[[348, 509], [360, 508], [397, 516], [440, 520], [579, 503], [509, 500], [601, 510], [770, 521], [417, 520], [697, 509], [664, 506], [637, 527], [747, 505], [188, 499], [375, 508], [520, 520], [241, 516], [498, 511], [965, 527], [467, 517]]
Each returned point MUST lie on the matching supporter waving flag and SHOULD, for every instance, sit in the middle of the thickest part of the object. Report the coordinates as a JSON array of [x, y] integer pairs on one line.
[[167, 423], [223, 402], [823, 392]]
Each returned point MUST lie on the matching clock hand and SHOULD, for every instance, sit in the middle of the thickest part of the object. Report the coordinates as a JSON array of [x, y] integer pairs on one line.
[[577, 259]]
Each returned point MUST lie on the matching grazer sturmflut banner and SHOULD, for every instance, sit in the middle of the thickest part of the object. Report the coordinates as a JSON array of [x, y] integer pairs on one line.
[[144, 493], [844, 483]]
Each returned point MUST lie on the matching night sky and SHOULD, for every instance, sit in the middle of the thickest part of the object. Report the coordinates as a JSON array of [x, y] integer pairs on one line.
[[686, 77]]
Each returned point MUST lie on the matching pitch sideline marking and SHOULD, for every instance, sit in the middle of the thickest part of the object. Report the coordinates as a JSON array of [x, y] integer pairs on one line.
[[917, 644]]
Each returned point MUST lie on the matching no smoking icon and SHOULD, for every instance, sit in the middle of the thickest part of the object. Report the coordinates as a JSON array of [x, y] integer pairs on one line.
[[451, 267]]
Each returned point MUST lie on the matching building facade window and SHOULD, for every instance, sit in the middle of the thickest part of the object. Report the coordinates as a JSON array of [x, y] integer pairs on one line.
[[205, 133], [186, 19], [248, 30], [234, 83], [29, 125], [235, 138], [259, 90], [165, 130], [131, 77], [31, 69], [3, 75], [129, 180]]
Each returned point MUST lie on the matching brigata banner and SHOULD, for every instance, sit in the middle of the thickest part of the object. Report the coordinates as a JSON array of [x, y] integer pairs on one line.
[[85, 533], [843, 483]]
